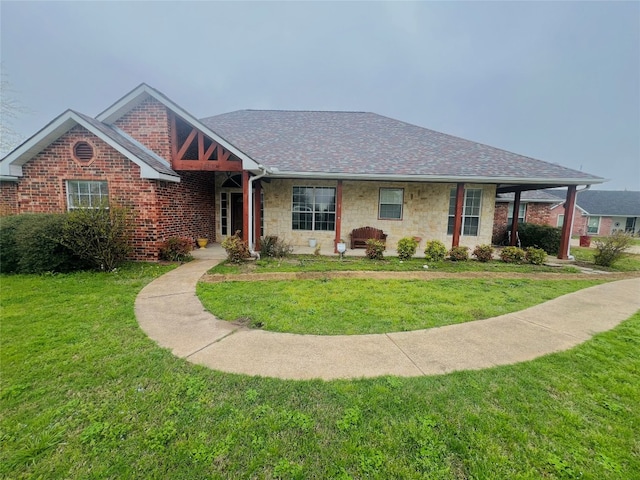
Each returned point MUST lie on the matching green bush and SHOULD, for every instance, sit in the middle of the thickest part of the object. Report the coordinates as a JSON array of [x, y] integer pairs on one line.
[[483, 253], [29, 243], [176, 249], [435, 251], [407, 248], [237, 249], [535, 256], [100, 236], [610, 249], [374, 249], [512, 255], [545, 237], [272, 246], [459, 254]]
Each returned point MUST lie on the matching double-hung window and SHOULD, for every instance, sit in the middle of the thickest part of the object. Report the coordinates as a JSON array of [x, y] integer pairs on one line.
[[470, 211], [390, 204], [522, 210], [87, 194], [593, 225], [313, 208]]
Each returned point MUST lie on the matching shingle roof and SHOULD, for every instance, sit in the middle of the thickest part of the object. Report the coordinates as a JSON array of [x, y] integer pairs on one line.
[[367, 143], [610, 203], [540, 196]]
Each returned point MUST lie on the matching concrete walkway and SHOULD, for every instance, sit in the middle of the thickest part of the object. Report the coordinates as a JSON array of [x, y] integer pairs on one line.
[[170, 313]]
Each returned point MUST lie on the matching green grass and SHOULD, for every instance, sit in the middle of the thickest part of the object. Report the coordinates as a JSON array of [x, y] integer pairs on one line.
[[311, 263], [85, 394], [348, 306]]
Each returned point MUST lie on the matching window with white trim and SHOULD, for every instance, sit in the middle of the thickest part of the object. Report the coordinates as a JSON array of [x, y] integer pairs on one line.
[[470, 211], [593, 225], [87, 194], [390, 203], [313, 208], [522, 211], [560, 220]]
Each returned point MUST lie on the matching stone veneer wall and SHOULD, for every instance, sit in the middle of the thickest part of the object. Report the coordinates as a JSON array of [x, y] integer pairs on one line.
[[425, 211]]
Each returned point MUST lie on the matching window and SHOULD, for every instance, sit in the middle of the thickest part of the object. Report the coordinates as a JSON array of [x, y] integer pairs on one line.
[[86, 194], [593, 225], [522, 210], [224, 213], [390, 205], [560, 220], [313, 208], [470, 211]]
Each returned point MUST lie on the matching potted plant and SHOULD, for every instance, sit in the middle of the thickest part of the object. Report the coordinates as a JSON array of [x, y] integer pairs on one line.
[[202, 242]]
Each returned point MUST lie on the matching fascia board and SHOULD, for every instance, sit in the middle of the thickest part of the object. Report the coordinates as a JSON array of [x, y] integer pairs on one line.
[[142, 92], [275, 173]]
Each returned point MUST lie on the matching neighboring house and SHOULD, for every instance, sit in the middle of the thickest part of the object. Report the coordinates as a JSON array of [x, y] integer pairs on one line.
[[601, 212], [293, 174], [535, 207]]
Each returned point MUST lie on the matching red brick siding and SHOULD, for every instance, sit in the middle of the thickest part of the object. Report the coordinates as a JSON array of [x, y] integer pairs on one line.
[[500, 216], [535, 213], [149, 124], [8, 198]]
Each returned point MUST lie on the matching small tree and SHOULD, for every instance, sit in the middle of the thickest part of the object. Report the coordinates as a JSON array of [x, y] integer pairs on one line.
[[100, 236], [611, 249]]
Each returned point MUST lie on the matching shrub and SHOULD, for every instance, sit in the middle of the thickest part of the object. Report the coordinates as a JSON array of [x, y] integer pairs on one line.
[[176, 249], [374, 249], [29, 243], [407, 248], [535, 256], [100, 236], [435, 251], [512, 255], [459, 254], [483, 253], [272, 246], [610, 249], [237, 249], [545, 237]]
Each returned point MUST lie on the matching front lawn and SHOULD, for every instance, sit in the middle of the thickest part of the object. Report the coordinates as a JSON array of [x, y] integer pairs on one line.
[[349, 306], [85, 394]]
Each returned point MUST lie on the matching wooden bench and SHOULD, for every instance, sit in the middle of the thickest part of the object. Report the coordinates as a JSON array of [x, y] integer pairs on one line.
[[359, 236]]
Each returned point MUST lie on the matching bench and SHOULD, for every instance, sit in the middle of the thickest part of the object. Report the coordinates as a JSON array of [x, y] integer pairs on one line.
[[359, 236]]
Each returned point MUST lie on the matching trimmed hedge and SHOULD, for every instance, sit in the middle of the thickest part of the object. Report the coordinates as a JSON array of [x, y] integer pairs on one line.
[[545, 237]]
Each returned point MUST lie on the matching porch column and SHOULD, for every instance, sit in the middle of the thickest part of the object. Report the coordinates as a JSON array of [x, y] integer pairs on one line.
[[457, 219], [256, 213], [514, 220], [569, 208], [338, 216], [245, 205]]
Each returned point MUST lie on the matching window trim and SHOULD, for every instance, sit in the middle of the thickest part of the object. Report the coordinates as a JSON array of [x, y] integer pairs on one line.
[[465, 216], [380, 217], [597, 228], [102, 184], [523, 206], [560, 220]]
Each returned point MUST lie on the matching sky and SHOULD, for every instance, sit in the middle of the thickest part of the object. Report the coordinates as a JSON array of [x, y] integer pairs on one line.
[[556, 81]]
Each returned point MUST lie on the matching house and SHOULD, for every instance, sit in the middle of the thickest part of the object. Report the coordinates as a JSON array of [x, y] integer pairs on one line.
[[292, 174], [600, 212], [535, 207]]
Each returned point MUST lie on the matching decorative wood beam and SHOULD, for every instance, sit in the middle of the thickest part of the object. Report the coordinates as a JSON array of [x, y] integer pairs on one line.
[[208, 166], [338, 215], [514, 220], [569, 208], [457, 219], [201, 147], [186, 144], [210, 150]]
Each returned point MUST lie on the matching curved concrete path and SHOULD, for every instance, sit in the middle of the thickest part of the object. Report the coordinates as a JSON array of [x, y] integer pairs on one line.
[[170, 313]]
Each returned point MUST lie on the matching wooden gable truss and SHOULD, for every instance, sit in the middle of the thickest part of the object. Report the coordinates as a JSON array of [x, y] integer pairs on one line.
[[193, 150]]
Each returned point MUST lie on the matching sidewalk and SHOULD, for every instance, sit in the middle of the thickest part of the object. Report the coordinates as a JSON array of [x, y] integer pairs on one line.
[[170, 313]]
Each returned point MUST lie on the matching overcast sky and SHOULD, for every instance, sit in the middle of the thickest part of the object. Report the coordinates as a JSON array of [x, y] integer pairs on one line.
[[555, 81]]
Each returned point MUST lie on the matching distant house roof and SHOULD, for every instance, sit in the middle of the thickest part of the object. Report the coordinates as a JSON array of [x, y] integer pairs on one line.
[[610, 203], [367, 145], [536, 196]]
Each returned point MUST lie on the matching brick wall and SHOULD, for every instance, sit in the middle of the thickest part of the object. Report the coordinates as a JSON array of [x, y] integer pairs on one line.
[[535, 212], [8, 198], [149, 124]]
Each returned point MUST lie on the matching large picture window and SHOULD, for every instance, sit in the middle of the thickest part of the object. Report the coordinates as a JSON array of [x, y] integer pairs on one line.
[[87, 194], [313, 208], [470, 211], [390, 205]]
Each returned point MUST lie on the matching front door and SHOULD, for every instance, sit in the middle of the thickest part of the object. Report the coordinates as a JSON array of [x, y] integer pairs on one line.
[[236, 213]]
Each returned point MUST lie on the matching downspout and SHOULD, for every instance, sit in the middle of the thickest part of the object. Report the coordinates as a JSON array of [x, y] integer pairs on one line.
[[250, 210], [569, 256]]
